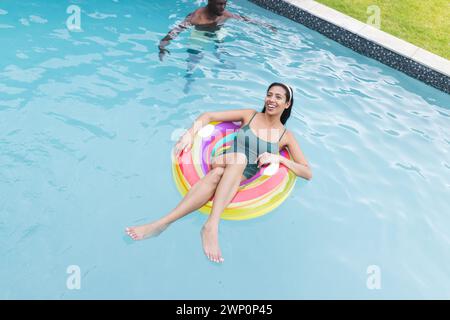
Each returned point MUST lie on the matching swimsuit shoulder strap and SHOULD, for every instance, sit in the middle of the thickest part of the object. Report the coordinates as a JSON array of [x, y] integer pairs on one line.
[[282, 134], [252, 118]]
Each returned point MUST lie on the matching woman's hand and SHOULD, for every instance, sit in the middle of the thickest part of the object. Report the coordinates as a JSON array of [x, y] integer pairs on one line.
[[267, 158], [184, 144]]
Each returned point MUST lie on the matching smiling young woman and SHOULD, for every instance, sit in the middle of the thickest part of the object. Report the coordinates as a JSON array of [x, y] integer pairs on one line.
[[257, 143]]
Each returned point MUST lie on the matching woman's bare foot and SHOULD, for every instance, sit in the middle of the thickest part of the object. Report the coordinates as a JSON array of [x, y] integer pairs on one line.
[[146, 230], [210, 241]]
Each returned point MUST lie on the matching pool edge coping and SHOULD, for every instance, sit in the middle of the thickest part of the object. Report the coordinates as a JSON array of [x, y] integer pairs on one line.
[[365, 39]]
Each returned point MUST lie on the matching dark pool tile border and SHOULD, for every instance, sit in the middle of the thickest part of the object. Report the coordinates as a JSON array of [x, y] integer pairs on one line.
[[359, 44]]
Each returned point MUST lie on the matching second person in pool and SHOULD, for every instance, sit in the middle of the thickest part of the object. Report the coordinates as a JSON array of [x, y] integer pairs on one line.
[[209, 18], [239, 163]]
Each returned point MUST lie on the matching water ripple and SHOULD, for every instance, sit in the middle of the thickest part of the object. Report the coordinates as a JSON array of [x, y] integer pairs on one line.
[[70, 61], [95, 130], [409, 167], [16, 73], [101, 16]]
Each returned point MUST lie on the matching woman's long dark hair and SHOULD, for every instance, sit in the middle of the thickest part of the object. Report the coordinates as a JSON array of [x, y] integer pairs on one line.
[[287, 112]]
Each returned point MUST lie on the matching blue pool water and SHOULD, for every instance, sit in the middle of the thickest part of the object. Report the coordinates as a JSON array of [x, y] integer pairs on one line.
[[82, 113]]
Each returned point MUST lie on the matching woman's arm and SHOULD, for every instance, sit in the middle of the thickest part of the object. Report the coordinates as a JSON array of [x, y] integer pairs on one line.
[[230, 115], [185, 142], [299, 165]]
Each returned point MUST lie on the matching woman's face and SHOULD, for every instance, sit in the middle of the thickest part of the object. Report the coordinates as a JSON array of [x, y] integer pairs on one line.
[[276, 101]]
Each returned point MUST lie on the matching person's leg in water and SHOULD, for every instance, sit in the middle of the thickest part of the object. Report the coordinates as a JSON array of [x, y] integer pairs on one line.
[[225, 192], [198, 195], [223, 63], [217, 53], [194, 58]]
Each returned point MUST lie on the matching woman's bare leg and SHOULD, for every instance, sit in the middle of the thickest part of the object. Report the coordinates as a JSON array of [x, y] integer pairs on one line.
[[198, 195], [224, 193]]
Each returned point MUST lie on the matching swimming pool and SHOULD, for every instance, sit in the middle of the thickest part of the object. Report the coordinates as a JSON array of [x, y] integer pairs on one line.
[[82, 112]]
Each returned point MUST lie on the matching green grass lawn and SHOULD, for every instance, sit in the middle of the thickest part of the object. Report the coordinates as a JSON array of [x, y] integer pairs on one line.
[[424, 23]]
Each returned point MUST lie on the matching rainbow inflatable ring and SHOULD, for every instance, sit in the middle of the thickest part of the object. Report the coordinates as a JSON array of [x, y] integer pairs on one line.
[[255, 197]]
